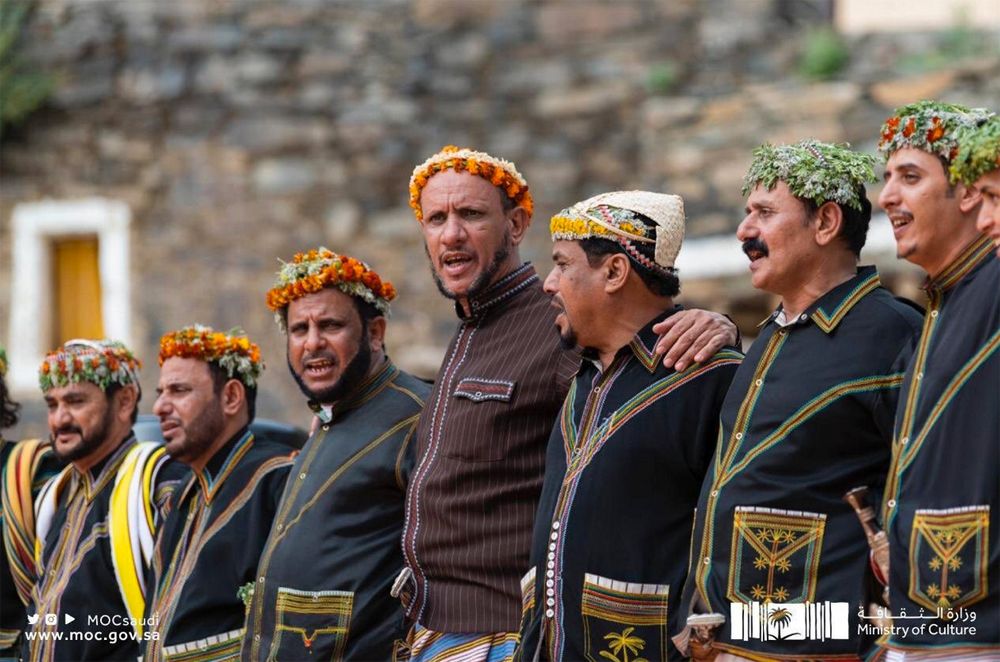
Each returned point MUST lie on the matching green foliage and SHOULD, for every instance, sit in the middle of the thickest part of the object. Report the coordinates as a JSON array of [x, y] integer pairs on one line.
[[22, 89], [813, 170], [663, 77], [978, 151], [824, 54]]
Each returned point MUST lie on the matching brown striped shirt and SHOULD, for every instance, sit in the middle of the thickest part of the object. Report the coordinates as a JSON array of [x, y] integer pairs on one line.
[[481, 453]]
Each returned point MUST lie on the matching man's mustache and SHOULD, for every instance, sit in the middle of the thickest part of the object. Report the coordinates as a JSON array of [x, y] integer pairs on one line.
[[67, 429], [754, 245]]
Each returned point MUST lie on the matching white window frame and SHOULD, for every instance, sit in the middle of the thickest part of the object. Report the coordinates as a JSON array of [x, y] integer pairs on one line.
[[33, 226]]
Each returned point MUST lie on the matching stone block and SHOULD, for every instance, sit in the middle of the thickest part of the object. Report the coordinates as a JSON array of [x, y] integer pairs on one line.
[[342, 222], [793, 102], [205, 39], [256, 68], [565, 22], [665, 113], [589, 100], [446, 14], [323, 63], [152, 85], [86, 83], [283, 176], [395, 223], [893, 93], [266, 134]]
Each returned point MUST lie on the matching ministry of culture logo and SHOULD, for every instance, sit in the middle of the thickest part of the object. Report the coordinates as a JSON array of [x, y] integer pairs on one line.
[[775, 621]]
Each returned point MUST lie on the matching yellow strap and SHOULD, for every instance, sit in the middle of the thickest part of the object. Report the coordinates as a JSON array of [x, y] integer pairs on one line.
[[131, 493], [19, 512]]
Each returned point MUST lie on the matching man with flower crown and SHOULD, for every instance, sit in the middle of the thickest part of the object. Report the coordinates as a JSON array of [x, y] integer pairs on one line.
[[942, 493], [322, 589], [488, 420], [209, 546], [978, 164], [96, 521], [808, 418]]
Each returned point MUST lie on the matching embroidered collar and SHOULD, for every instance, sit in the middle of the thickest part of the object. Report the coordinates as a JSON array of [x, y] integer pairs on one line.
[[974, 254], [641, 345], [644, 341], [505, 288], [364, 392], [220, 465], [828, 311], [98, 476]]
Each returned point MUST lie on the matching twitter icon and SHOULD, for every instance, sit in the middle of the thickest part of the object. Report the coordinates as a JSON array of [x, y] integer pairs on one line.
[[32, 619]]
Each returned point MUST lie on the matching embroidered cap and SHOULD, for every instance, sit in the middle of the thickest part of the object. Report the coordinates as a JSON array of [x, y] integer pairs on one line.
[[813, 170], [978, 151], [311, 272], [616, 216], [930, 126], [101, 362], [498, 172], [232, 351]]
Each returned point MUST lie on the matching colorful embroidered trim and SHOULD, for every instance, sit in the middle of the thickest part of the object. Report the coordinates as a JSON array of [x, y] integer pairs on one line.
[[978, 151], [101, 362], [817, 171], [616, 216], [931, 126], [232, 351], [3, 362], [498, 172], [311, 272]]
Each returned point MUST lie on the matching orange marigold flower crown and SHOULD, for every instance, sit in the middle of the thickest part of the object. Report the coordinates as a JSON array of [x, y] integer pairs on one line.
[[931, 126], [232, 351], [498, 172], [101, 362], [311, 272]]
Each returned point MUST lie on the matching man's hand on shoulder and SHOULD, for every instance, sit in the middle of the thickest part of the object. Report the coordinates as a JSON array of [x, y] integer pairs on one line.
[[693, 336]]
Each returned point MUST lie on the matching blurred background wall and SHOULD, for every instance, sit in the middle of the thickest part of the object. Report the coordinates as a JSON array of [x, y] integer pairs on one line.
[[157, 158]]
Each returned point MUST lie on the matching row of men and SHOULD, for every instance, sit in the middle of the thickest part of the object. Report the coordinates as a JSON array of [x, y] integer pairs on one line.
[[679, 476]]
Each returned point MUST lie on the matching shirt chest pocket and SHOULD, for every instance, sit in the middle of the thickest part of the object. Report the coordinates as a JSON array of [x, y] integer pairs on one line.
[[479, 423]]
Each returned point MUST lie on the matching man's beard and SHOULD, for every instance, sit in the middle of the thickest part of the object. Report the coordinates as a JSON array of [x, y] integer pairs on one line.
[[567, 338], [349, 379], [88, 443], [201, 433], [484, 279]]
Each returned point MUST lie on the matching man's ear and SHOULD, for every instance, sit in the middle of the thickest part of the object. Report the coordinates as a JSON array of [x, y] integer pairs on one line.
[[234, 395], [616, 269], [124, 403], [829, 221], [376, 334], [518, 220], [969, 198]]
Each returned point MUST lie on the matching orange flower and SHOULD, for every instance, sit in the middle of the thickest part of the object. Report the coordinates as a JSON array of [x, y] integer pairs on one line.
[[911, 126]]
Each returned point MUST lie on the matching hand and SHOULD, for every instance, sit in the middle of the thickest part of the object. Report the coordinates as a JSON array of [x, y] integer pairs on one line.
[[693, 336]]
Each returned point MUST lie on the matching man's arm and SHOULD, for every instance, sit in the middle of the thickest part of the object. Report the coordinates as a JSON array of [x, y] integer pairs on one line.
[[694, 336]]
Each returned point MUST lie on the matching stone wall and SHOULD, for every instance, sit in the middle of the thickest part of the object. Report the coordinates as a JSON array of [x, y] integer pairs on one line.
[[241, 131]]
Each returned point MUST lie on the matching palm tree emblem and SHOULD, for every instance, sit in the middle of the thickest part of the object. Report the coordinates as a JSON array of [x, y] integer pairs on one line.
[[625, 643], [781, 617]]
